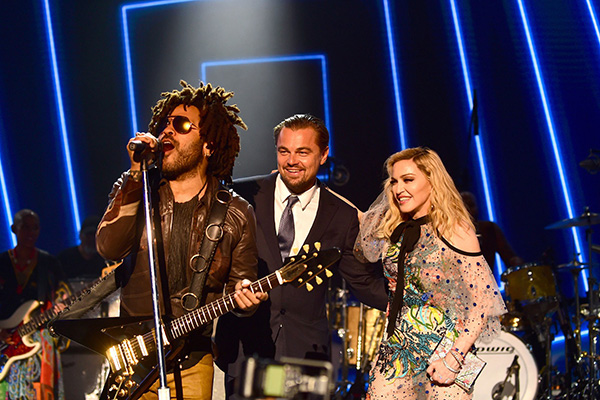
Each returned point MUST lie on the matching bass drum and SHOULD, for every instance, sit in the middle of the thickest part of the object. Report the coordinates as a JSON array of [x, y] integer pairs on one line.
[[499, 356]]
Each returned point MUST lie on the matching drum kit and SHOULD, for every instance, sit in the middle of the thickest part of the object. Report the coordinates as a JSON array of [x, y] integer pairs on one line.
[[535, 307]]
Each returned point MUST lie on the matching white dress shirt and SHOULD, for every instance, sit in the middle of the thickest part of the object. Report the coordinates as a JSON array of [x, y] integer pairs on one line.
[[304, 211]]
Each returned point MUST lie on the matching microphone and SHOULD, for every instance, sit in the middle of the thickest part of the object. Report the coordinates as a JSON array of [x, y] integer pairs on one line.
[[140, 147]]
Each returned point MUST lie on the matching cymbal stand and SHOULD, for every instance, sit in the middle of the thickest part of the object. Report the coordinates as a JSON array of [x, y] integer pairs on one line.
[[548, 338], [341, 300], [592, 386], [575, 272]]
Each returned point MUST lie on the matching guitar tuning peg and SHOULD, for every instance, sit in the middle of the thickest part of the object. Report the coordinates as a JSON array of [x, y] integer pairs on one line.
[[328, 273], [318, 280], [306, 248], [318, 246], [309, 287]]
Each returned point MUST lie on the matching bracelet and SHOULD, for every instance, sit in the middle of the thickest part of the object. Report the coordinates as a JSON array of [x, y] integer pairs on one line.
[[135, 176], [456, 371], [459, 360]]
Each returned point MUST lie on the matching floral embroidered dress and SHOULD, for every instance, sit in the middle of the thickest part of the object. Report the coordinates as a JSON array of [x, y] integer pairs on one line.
[[445, 288]]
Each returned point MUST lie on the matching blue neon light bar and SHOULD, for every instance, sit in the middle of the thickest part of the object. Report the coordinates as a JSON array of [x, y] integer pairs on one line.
[[594, 19], [62, 122], [481, 155], [7, 208], [392, 54], [291, 58], [127, 49], [552, 135]]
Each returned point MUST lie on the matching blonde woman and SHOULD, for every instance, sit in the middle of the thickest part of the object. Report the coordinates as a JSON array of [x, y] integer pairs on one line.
[[439, 281]]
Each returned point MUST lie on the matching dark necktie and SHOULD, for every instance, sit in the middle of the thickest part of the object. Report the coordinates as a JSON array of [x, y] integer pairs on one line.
[[286, 228]]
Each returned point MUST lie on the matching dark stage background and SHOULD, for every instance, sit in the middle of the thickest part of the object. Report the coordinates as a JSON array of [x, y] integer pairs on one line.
[[344, 60]]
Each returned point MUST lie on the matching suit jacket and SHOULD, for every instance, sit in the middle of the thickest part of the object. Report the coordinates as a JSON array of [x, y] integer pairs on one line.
[[293, 323]]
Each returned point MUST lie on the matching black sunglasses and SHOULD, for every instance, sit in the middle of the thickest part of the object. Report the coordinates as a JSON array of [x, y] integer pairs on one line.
[[182, 125]]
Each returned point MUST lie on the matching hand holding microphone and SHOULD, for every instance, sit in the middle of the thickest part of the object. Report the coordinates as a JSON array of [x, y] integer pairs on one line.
[[143, 145]]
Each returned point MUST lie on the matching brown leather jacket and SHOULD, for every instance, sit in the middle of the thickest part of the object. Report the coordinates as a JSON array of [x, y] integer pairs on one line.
[[122, 233]]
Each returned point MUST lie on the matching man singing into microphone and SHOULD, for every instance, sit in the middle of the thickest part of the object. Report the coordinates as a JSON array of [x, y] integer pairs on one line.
[[196, 131]]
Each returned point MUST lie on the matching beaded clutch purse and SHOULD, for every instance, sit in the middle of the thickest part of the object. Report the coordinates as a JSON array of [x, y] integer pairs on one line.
[[469, 372]]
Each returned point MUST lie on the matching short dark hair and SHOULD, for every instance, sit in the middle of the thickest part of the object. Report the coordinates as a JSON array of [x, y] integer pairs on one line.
[[217, 122], [300, 121], [20, 216]]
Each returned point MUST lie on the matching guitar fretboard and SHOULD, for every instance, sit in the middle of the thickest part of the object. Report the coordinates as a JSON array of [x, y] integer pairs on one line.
[[42, 318], [203, 315]]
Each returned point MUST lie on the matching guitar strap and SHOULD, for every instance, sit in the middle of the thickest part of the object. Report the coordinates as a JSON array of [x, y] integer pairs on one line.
[[200, 262]]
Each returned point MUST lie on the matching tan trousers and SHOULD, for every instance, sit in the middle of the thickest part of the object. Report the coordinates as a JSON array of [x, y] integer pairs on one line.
[[196, 382]]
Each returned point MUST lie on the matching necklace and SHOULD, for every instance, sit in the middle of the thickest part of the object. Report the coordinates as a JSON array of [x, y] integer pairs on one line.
[[23, 265], [22, 270]]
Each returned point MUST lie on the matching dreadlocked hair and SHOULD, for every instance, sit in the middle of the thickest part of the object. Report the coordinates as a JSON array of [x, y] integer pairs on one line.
[[217, 123]]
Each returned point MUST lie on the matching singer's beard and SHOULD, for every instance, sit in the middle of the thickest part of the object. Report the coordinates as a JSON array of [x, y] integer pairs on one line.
[[184, 164]]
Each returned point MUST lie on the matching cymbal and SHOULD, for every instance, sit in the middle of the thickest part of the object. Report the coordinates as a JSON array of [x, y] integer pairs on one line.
[[573, 265], [585, 219]]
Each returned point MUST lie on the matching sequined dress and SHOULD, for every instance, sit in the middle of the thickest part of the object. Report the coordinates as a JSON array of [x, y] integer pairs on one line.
[[444, 288]]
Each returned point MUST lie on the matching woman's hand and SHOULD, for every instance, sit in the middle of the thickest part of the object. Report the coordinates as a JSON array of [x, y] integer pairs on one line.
[[440, 374]]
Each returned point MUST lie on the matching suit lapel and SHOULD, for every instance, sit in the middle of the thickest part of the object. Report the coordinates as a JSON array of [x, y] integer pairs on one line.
[[325, 213]]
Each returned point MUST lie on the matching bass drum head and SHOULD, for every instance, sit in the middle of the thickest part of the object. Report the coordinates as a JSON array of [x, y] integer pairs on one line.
[[499, 356]]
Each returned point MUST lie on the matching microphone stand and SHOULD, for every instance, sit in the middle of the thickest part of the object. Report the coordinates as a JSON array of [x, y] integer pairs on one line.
[[163, 390]]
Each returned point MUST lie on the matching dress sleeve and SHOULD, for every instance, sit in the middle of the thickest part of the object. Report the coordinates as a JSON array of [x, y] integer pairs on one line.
[[369, 245], [468, 292]]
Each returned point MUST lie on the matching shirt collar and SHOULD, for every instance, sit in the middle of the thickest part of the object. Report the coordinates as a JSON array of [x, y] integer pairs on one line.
[[282, 192]]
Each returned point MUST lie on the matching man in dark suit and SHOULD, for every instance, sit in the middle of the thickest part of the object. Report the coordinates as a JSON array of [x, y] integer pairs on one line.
[[294, 322]]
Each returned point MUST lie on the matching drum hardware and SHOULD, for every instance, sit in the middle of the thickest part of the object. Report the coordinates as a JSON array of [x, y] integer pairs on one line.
[[586, 219], [513, 370], [497, 380], [515, 321]]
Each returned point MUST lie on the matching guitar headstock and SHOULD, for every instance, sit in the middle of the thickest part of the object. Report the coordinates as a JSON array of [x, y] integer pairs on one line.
[[307, 265]]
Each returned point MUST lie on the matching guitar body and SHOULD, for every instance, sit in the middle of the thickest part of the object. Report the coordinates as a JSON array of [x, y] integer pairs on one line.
[[21, 347], [118, 386], [99, 334]]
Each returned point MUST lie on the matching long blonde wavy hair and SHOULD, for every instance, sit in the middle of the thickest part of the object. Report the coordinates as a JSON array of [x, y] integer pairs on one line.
[[447, 207]]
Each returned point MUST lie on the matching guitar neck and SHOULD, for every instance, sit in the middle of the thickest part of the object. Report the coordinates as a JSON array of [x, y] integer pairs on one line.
[[195, 319], [41, 319], [203, 315]]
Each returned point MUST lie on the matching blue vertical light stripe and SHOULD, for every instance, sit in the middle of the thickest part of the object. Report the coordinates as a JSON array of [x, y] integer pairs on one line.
[[130, 88], [7, 207], [127, 49], [481, 154], [594, 19], [566, 192], [299, 57], [395, 82], [63, 126], [461, 51]]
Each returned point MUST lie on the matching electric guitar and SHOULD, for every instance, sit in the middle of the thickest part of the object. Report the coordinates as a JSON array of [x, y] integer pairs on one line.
[[132, 357], [19, 328]]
